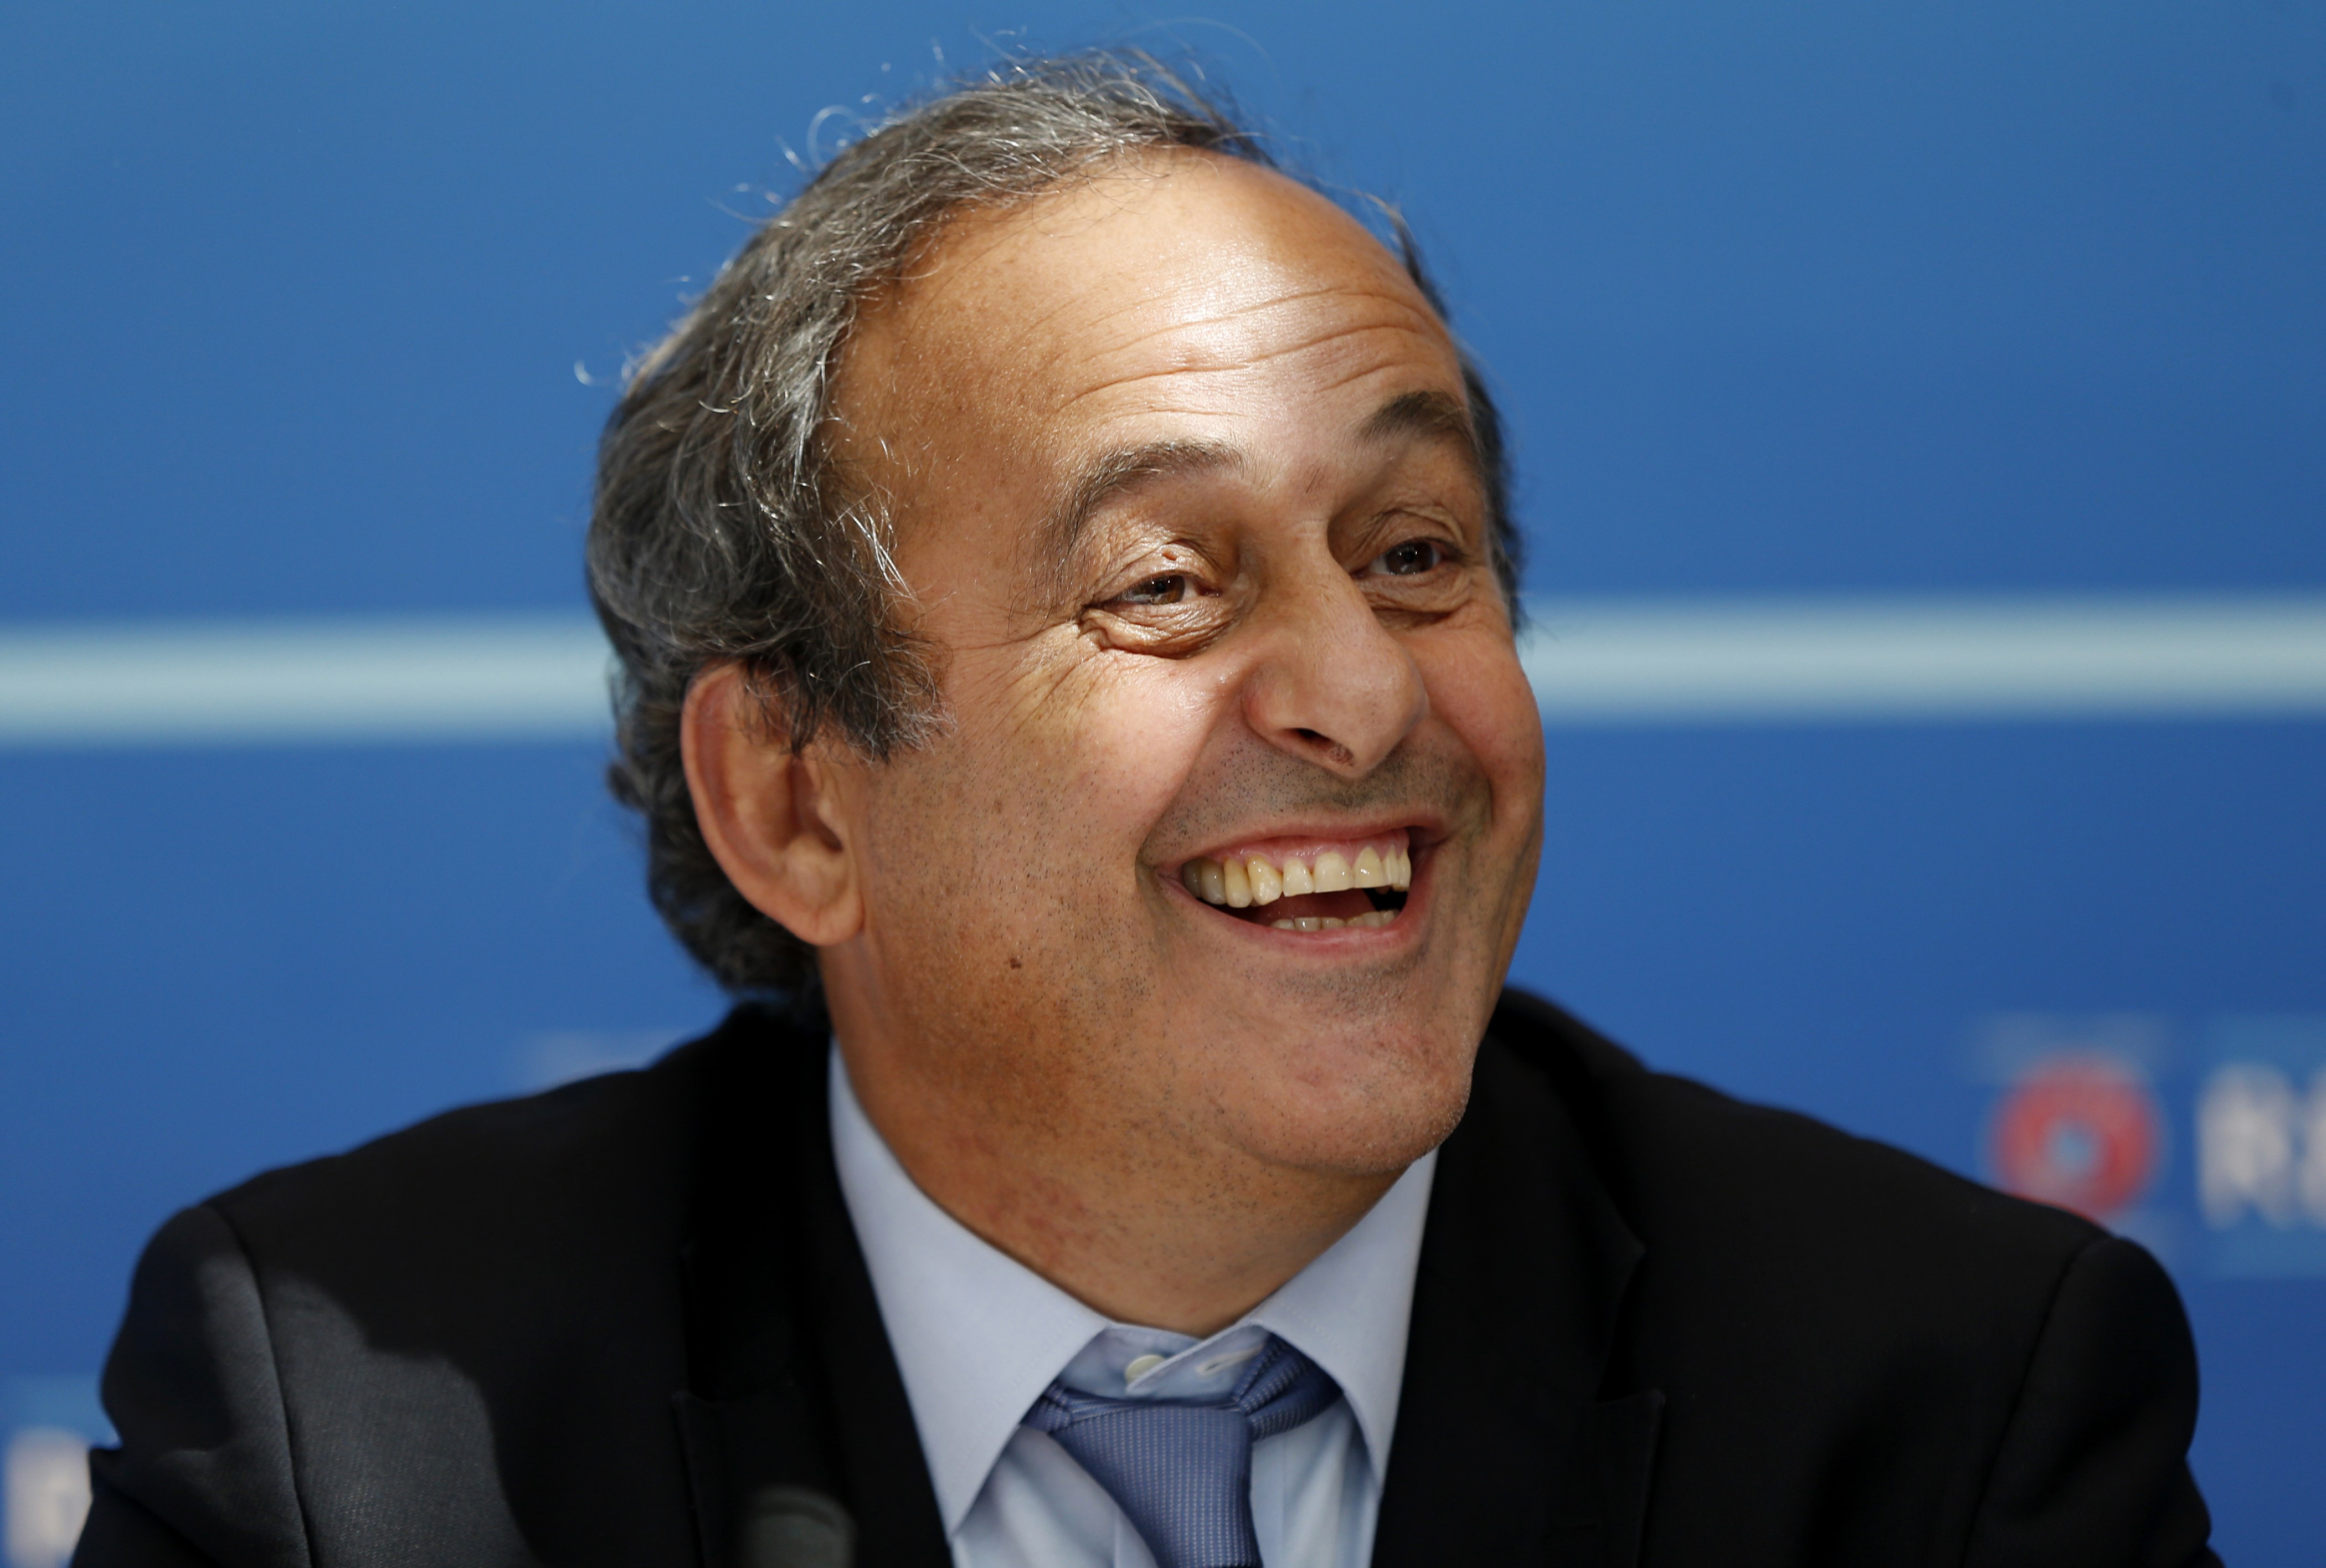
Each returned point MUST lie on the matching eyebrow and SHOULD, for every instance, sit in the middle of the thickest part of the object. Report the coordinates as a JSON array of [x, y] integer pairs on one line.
[[1127, 470], [1427, 413]]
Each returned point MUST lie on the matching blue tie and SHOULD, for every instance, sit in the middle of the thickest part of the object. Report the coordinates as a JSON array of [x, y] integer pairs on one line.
[[1182, 1473]]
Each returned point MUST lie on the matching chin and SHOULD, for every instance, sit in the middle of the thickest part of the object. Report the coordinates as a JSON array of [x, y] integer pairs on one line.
[[1364, 1101]]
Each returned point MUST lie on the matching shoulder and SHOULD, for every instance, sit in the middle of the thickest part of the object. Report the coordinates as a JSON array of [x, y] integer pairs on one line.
[[485, 1190], [1854, 1342], [429, 1337], [492, 1238], [1718, 1186], [590, 1188]]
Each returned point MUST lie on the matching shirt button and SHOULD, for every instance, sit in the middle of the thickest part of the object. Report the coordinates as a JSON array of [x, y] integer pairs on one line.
[[1140, 1366]]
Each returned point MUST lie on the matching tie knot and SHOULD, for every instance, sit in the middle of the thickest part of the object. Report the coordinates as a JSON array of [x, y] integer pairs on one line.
[[1281, 1389], [1181, 1471]]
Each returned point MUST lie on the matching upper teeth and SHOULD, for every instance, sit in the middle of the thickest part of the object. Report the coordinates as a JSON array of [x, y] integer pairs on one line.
[[1244, 880]]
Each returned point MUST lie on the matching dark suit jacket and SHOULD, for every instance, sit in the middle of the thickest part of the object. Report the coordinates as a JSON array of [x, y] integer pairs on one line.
[[627, 1322]]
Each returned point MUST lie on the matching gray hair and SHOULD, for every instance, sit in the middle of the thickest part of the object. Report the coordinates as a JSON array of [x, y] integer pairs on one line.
[[721, 531]]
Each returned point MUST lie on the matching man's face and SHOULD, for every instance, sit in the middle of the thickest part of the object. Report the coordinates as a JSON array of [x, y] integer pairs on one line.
[[1191, 519]]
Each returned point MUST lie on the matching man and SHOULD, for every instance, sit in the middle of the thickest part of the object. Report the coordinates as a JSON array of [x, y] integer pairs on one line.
[[1064, 591]]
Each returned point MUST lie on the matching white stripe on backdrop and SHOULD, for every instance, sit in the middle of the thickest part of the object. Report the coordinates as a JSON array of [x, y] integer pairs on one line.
[[1838, 660]]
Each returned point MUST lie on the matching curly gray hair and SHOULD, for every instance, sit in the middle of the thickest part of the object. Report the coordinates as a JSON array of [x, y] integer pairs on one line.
[[721, 531]]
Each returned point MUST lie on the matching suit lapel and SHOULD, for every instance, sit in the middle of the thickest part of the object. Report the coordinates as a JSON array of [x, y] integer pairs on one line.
[[799, 1441], [1506, 1451], [876, 1445]]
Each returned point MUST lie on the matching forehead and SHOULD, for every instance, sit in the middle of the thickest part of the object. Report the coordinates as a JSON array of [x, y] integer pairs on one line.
[[1183, 285]]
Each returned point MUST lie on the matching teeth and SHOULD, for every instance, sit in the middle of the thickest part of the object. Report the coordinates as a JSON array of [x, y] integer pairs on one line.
[[1242, 883], [1311, 923]]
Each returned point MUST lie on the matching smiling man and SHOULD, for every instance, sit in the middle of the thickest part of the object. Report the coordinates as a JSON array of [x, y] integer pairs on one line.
[[1063, 586]]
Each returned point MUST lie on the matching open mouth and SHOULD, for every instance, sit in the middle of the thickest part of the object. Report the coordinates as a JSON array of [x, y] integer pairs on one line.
[[1315, 886]]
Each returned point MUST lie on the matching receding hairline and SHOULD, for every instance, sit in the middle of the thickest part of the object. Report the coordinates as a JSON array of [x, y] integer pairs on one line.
[[880, 308], [880, 313], [1148, 164]]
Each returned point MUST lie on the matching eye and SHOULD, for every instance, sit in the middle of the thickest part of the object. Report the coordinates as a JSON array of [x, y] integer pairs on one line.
[[1170, 588], [1411, 559]]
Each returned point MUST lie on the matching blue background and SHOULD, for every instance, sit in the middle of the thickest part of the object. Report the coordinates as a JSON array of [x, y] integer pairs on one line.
[[1787, 299]]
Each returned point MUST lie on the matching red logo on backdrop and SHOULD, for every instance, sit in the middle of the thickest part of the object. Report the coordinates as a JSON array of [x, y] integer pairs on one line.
[[2079, 1131]]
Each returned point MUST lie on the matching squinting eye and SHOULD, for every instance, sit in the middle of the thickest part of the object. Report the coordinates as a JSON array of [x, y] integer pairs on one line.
[[1171, 588], [1411, 559]]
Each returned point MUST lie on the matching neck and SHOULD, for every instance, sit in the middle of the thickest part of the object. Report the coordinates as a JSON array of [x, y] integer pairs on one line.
[[1133, 1210]]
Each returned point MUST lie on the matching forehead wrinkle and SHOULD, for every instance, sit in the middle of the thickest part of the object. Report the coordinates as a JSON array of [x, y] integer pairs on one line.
[[1320, 340], [1415, 321], [1385, 423], [1224, 313]]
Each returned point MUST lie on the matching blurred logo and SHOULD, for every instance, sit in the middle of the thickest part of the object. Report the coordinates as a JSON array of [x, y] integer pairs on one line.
[[2077, 1121], [2261, 1145], [2080, 1130]]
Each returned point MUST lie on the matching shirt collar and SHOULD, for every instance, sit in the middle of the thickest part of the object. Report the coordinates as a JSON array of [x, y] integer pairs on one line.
[[1349, 1310], [978, 1336]]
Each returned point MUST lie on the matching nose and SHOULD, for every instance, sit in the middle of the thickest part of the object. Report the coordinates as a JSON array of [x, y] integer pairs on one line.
[[1330, 685]]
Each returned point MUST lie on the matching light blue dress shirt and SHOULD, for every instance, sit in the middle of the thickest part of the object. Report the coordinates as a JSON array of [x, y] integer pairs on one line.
[[978, 1336]]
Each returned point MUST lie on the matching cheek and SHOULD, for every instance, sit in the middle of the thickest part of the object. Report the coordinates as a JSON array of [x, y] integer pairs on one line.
[[1044, 789], [1480, 692]]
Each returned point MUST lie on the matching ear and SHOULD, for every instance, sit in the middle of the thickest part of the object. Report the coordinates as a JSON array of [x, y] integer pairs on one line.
[[778, 821]]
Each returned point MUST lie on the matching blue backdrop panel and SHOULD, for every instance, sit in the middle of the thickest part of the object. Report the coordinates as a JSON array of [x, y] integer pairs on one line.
[[314, 312]]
